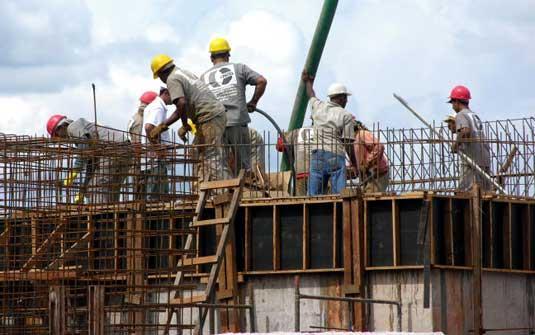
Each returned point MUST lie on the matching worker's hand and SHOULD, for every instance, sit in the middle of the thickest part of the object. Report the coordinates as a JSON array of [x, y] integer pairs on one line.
[[183, 133], [156, 131], [306, 77], [70, 178], [455, 147], [251, 106]]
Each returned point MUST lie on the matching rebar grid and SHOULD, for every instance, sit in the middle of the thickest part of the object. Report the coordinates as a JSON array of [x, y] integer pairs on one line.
[[110, 259]]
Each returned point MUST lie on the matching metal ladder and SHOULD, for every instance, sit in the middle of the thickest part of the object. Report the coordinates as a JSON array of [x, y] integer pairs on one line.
[[224, 223]]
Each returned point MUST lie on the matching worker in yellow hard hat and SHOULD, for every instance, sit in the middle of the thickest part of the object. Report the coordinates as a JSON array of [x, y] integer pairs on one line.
[[194, 100], [228, 81]]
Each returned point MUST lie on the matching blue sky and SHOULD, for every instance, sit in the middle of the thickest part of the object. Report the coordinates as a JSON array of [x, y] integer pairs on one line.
[[53, 50]]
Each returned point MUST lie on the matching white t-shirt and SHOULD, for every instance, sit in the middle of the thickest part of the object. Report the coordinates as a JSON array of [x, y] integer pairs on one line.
[[155, 113]]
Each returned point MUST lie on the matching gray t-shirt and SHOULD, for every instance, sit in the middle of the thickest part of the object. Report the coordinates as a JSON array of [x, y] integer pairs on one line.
[[474, 147], [83, 129], [331, 124], [203, 105], [228, 81]]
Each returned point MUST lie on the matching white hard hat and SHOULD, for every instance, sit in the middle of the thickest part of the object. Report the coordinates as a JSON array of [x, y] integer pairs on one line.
[[336, 89]]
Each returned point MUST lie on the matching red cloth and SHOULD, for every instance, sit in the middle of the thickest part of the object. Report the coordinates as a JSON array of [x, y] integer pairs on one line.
[[369, 152], [280, 144]]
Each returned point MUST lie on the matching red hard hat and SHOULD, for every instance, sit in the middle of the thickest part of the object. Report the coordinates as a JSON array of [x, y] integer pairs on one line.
[[148, 97], [460, 92], [53, 123]]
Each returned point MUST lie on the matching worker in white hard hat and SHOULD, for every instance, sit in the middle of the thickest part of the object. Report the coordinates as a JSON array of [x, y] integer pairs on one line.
[[333, 131], [228, 81]]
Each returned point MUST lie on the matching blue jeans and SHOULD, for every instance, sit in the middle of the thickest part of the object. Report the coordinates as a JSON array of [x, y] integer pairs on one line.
[[325, 165]]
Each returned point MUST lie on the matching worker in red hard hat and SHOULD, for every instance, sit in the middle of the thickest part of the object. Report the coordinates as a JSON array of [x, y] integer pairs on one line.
[[104, 173], [470, 139], [135, 124]]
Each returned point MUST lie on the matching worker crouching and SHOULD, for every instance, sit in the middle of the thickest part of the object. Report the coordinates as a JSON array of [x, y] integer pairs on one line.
[[104, 173], [371, 164]]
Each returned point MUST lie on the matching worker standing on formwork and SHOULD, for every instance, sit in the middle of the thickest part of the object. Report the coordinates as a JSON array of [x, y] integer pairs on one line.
[[155, 173], [300, 141], [104, 175], [135, 125], [228, 82], [470, 140], [333, 131], [193, 99], [371, 163]]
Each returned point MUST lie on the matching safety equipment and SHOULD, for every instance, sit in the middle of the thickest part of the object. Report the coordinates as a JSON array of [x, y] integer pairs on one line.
[[54, 122], [70, 178], [158, 62], [156, 131], [336, 89], [460, 92], [450, 118], [219, 45], [148, 97], [193, 127]]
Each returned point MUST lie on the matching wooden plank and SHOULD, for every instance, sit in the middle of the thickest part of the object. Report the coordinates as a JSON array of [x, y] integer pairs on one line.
[[335, 238], [467, 216], [366, 237], [57, 311], [210, 222], [195, 299], [506, 221], [357, 215], [247, 242], [200, 260], [476, 261], [96, 315], [54, 235], [348, 252], [305, 237], [395, 233], [528, 242], [216, 184], [276, 238], [80, 243], [116, 233], [448, 235]]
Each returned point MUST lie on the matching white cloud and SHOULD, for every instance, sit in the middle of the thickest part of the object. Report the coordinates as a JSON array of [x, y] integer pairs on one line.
[[417, 48]]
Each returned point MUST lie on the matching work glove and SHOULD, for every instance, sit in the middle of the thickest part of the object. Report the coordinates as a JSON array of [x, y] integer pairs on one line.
[[183, 133], [70, 178], [156, 131]]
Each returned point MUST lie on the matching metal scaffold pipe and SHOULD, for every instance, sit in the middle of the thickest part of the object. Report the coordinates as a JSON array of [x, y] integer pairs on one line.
[[311, 65], [462, 155]]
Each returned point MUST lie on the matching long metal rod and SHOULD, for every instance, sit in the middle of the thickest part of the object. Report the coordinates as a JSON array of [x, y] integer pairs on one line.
[[462, 155]]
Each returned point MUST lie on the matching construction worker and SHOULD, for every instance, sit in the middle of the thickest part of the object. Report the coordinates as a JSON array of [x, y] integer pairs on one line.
[[333, 131], [470, 139], [155, 172], [135, 125], [450, 123], [301, 141], [371, 164], [193, 99], [104, 172], [228, 81]]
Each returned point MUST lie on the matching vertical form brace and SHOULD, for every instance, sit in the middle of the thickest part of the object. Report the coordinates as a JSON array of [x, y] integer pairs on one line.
[[476, 260]]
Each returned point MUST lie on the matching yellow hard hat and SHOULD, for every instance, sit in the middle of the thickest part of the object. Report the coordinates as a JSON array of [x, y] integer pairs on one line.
[[158, 62], [219, 45]]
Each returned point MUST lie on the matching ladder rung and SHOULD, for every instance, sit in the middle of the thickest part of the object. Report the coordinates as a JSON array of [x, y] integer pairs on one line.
[[210, 222], [212, 185], [189, 300], [200, 260]]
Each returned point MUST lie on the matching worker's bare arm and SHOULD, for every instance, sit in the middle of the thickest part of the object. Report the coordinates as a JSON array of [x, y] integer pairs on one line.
[[309, 82], [179, 113], [260, 88]]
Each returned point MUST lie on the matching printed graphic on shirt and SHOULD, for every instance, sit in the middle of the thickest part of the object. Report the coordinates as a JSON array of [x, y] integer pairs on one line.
[[223, 83]]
